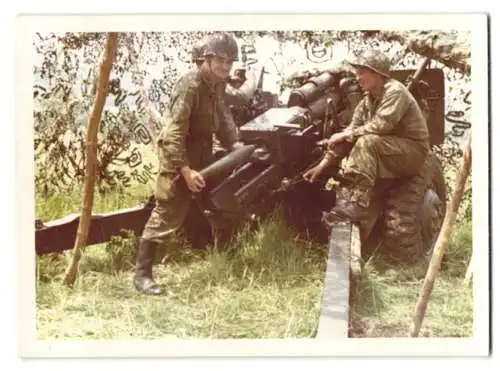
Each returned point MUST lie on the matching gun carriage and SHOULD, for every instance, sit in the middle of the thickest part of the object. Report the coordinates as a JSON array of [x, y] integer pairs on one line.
[[280, 143]]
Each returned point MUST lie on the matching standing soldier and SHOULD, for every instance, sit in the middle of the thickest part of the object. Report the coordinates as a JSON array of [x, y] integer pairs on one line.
[[195, 112], [388, 136]]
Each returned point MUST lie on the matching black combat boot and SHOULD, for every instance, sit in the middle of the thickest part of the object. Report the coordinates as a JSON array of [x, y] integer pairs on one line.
[[350, 210], [354, 201], [144, 268]]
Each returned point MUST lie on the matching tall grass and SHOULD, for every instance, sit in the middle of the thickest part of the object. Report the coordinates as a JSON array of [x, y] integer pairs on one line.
[[389, 293], [271, 287]]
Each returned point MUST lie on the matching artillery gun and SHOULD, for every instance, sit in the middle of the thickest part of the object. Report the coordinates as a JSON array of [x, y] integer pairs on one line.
[[279, 145]]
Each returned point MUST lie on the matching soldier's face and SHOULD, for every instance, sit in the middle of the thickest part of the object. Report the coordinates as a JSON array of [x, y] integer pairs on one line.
[[221, 67], [367, 79]]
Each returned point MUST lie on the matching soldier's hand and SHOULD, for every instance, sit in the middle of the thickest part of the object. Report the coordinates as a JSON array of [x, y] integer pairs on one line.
[[312, 174], [336, 138], [194, 180]]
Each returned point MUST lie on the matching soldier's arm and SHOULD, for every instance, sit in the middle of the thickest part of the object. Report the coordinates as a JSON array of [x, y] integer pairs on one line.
[[390, 111], [171, 141], [228, 133], [341, 149], [358, 116]]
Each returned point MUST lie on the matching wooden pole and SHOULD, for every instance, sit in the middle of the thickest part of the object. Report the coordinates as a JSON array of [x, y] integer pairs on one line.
[[442, 241], [106, 65], [470, 267]]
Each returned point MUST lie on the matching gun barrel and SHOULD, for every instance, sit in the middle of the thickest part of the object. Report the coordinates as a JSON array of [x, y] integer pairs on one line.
[[311, 90], [228, 162]]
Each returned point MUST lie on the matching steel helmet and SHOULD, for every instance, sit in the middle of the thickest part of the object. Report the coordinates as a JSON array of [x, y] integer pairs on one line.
[[221, 45], [374, 60]]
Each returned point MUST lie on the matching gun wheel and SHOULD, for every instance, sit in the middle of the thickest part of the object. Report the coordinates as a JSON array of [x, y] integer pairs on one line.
[[414, 212]]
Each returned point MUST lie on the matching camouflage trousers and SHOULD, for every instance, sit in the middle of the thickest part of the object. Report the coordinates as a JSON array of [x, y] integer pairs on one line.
[[174, 204], [375, 157]]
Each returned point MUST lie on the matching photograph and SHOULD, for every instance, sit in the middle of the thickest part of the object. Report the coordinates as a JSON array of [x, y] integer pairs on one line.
[[285, 185]]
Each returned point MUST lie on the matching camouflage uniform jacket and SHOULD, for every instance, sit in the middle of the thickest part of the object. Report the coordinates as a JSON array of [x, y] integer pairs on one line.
[[395, 113], [195, 112]]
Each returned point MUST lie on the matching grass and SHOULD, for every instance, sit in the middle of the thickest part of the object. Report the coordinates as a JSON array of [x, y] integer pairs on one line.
[[64, 203], [388, 295], [271, 288], [265, 290]]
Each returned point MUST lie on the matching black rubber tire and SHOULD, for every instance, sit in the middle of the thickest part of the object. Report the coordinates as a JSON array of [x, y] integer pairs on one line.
[[413, 212]]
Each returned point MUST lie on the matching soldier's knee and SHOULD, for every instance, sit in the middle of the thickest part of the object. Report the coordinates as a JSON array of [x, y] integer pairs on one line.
[[368, 141]]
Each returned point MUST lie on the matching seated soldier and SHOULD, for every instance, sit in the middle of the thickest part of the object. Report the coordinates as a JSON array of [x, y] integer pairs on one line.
[[388, 137]]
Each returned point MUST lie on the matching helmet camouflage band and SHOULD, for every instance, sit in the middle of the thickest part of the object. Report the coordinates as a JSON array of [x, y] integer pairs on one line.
[[374, 60], [221, 45]]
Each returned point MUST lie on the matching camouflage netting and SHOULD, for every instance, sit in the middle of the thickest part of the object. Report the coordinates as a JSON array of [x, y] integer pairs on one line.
[[146, 67], [452, 49]]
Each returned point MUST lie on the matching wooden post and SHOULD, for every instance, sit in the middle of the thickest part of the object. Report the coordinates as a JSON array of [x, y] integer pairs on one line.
[[442, 241], [91, 157], [470, 267]]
